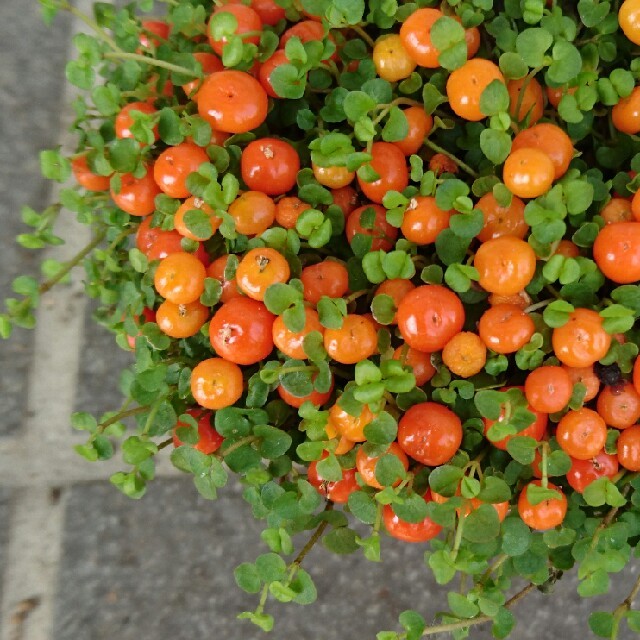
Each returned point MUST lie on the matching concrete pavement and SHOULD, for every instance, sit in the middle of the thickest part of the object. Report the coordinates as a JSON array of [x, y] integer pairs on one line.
[[78, 561]]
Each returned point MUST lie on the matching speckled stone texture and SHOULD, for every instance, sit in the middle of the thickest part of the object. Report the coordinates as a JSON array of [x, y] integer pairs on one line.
[[5, 506], [163, 568], [101, 363], [31, 88]]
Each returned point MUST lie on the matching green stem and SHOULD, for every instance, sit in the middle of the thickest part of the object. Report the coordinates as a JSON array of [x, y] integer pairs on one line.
[[553, 292], [121, 415], [623, 607], [385, 108], [607, 520], [51, 282], [263, 599], [537, 305], [356, 295], [94, 26], [165, 443], [151, 417], [317, 534], [121, 236], [438, 149], [543, 464], [236, 445], [525, 84], [497, 563], [463, 624], [364, 35], [70, 264], [458, 539], [123, 55]]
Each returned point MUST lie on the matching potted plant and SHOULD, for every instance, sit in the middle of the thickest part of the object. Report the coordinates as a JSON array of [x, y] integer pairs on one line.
[[381, 261]]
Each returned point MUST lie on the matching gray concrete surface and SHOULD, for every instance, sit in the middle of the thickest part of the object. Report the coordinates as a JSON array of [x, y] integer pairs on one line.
[[5, 514], [78, 561], [31, 88], [100, 375]]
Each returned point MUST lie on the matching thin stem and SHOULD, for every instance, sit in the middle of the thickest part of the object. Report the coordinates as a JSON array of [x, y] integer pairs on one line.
[[123, 55], [70, 264], [263, 598], [317, 534], [236, 445], [45, 286], [165, 443], [543, 464], [438, 149], [624, 606], [607, 520], [458, 539], [553, 292], [463, 624], [386, 108], [364, 35], [523, 89], [151, 417], [356, 295], [497, 563], [121, 415], [537, 305], [94, 26]]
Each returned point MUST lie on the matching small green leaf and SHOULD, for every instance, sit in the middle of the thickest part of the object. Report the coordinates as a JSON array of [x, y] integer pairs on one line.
[[397, 126], [601, 623], [516, 536], [494, 99], [341, 541]]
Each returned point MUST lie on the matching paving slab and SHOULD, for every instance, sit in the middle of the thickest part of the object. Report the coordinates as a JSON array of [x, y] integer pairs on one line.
[[5, 506], [163, 568], [31, 90], [101, 362]]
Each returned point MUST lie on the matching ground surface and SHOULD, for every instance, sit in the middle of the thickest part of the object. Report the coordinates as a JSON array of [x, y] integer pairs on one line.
[[77, 560]]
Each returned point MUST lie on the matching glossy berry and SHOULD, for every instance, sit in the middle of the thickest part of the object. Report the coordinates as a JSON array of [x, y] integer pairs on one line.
[[391, 59], [582, 433], [371, 220], [548, 389], [506, 265], [584, 472], [366, 464], [232, 101], [241, 331], [582, 341], [337, 491], [430, 433], [619, 405], [629, 448], [216, 383], [390, 164], [505, 328], [356, 340], [259, 269], [327, 278], [545, 515], [209, 440], [429, 316], [270, 165], [422, 531], [180, 278]]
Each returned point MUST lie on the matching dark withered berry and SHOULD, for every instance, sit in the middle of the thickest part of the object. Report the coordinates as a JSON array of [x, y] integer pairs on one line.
[[609, 375]]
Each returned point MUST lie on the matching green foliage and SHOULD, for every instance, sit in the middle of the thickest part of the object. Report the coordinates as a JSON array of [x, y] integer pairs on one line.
[[331, 105]]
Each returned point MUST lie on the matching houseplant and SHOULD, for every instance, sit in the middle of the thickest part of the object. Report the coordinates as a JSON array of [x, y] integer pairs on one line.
[[439, 248]]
